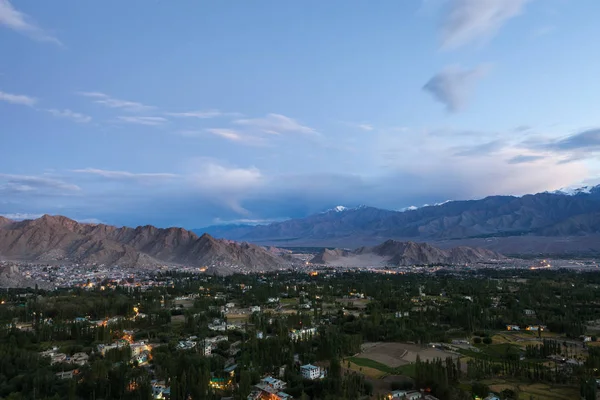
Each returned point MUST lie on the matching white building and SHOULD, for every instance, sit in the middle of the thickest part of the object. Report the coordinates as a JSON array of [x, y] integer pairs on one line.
[[254, 309], [310, 372]]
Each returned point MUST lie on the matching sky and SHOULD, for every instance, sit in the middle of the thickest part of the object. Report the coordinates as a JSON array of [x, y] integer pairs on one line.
[[193, 113]]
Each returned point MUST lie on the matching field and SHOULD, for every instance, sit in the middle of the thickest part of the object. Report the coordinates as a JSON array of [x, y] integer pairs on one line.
[[395, 355], [237, 317], [536, 391], [378, 360]]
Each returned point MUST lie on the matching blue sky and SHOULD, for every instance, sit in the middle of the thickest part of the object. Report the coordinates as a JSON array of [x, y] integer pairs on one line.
[[191, 113]]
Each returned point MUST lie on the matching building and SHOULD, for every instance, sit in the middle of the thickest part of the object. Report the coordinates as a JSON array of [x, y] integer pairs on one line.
[[302, 334], [529, 313], [405, 395], [310, 372], [254, 309], [270, 388], [513, 328]]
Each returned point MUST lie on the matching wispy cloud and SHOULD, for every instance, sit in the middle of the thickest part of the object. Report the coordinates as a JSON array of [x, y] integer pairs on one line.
[[27, 183], [25, 216], [585, 141], [276, 124], [203, 114], [18, 21], [17, 98], [126, 175], [111, 102], [228, 134], [72, 115], [483, 149], [469, 20], [525, 158], [359, 125], [453, 86], [21, 216], [149, 121]]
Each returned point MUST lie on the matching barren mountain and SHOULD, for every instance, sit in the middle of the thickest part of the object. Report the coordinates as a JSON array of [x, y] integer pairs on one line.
[[60, 238], [11, 277], [392, 252]]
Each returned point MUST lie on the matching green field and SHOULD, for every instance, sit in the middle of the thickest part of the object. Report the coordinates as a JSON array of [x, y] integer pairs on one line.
[[408, 369]]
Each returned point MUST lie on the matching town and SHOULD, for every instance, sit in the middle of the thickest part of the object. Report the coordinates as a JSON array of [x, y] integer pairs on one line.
[[436, 334]]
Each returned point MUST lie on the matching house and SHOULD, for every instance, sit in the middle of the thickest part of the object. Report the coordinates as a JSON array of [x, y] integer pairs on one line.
[[273, 382], [513, 328], [405, 395], [585, 338], [66, 374], [491, 396], [310, 372], [79, 358], [402, 314], [529, 313], [186, 345], [273, 300], [270, 388], [254, 309]]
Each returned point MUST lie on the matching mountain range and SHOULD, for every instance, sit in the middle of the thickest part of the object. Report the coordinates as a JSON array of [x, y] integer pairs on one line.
[[551, 222], [60, 239], [392, 252]]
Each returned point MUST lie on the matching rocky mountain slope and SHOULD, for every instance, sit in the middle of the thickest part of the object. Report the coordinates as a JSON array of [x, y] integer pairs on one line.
[[561, 213], [11, 277], [52, 238], [393, 252]]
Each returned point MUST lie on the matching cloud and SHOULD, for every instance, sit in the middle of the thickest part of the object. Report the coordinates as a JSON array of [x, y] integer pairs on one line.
[[524, 158], [481, 150], [126, 175], [24, 216], [203, 114], [246, 221], [224, 183], [453, 85], [276, 124], [366, 127], [469, 20], [74, 116], [149, 121], [21, 216], [26, 184], [586, 141], [14, 19], [228, 134], [111, 102], [17, 98]]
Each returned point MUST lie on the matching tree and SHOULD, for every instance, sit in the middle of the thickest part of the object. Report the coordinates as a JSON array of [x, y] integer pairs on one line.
[[487, 340], [477, 340], [480, 389]]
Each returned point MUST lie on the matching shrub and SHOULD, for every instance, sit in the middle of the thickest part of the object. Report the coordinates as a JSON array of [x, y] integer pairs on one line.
[[487, 340], [477, 340]]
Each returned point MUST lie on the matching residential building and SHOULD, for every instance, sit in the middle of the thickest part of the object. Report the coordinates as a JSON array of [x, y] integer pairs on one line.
[[310, 372]]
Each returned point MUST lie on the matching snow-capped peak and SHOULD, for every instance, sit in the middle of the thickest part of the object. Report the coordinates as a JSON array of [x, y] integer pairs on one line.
[[339, 208], [412, 208], [409, 208], [574, 191]]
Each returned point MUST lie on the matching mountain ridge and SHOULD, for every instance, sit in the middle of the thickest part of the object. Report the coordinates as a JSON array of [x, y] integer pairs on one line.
[[392, 252], [58, 238], [543, 214]]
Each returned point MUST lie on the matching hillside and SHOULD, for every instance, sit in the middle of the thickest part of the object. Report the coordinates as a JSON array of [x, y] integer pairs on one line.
[[57, 238], [397, 253]]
